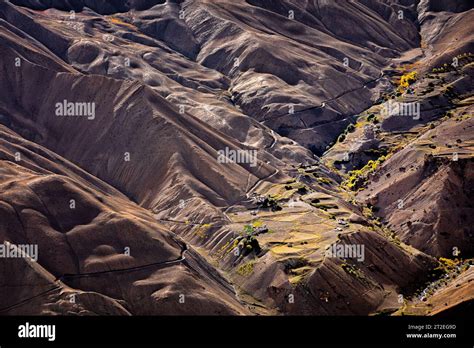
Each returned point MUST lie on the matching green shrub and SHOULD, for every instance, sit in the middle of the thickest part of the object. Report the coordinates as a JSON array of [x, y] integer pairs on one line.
[[372, 118]]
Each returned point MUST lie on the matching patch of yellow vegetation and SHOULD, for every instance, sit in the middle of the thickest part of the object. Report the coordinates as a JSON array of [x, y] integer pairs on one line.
[[299, 274], [201, 231], [118, 21], [246, 269], [295, 280], [407, 79], [288, 218], [228, 247], [359, 176], [283, 250], [294, 249], [298, 237], [447, 265]]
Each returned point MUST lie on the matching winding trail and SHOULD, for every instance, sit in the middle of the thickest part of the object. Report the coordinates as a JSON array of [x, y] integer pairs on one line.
[[179, 259], [324, 103]]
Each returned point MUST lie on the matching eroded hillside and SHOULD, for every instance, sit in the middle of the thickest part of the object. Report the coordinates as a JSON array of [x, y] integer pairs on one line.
[[237, 157]]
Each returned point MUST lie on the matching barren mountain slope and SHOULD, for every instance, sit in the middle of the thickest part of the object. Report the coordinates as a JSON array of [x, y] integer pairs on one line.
[[257, 55], [413, 167], [88, 236]]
